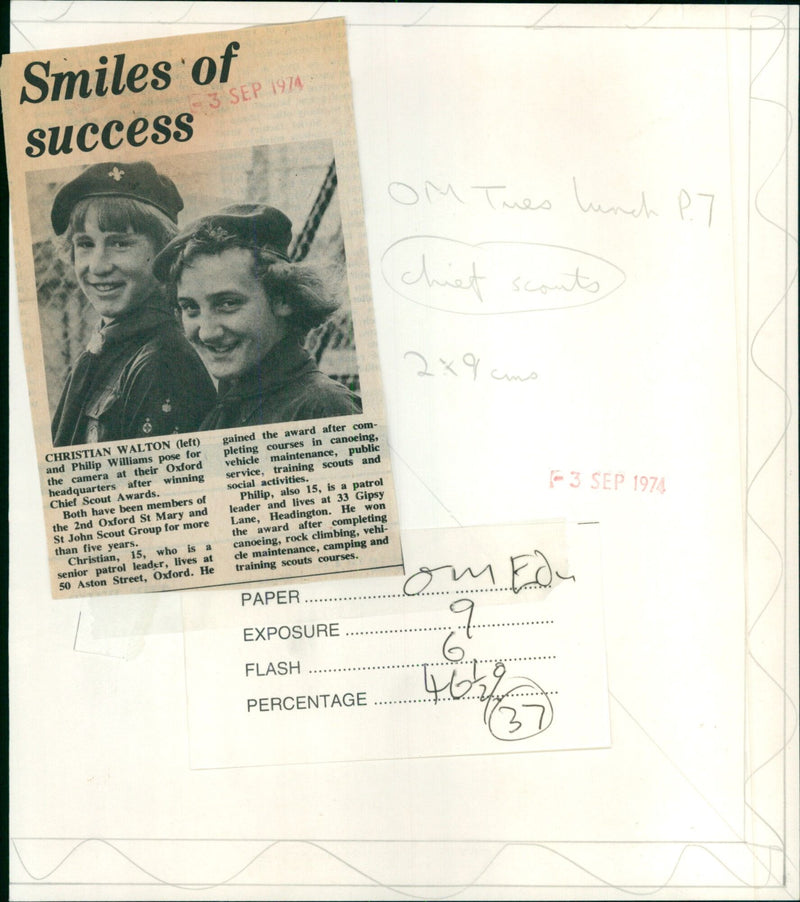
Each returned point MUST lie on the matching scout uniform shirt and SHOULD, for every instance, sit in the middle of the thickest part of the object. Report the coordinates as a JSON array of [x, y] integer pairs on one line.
[[138, 377], [284, 387]]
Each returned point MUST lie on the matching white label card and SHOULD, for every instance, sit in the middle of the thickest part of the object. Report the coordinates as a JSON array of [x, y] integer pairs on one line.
[[492, 641]]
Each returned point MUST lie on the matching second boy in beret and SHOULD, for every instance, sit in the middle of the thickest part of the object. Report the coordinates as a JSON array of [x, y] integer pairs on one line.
[[247, 309], [138, 376]]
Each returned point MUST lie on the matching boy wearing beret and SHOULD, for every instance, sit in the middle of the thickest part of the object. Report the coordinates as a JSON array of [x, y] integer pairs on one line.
[[138, 376], [247, 309]]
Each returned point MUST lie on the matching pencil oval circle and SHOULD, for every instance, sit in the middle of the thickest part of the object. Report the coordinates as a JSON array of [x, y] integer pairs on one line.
[[496, 277]]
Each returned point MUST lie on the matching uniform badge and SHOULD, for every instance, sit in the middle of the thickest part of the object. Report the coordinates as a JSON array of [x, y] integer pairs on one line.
[[116, 173], [166, 407], [147, 426]]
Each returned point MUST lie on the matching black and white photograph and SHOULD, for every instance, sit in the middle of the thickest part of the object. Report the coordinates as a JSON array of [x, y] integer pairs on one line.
[[194, 292]]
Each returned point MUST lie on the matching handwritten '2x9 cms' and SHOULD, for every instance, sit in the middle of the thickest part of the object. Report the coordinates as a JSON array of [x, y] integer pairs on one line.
[[515, 707], [471, 362]]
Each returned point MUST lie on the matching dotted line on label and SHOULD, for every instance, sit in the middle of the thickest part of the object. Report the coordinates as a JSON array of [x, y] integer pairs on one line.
[[426, 629], [432, 664], [463, 698], [425, 593]]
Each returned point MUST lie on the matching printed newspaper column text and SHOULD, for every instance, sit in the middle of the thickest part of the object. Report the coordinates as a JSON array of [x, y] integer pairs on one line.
[[301, 496], [131, 513]]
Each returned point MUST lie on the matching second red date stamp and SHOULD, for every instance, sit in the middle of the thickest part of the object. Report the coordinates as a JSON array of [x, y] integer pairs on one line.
[[608, 481]]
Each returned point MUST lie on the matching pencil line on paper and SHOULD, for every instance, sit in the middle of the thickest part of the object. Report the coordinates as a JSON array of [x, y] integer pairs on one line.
[[61, 15], [180, 18], [761, 351], [24, 37], [678, 769], [433, 494], [403, 888], [417, 21], [544, 15], [650, 19]]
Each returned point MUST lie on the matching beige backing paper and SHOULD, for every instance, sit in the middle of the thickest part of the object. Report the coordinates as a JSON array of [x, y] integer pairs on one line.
[[262, 115], [615, 185]]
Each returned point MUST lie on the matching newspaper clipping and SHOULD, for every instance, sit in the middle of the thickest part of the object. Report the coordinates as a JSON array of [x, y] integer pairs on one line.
[[196, 311]]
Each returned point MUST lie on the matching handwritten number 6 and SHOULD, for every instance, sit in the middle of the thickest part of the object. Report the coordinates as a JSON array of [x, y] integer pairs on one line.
[[452, 652]]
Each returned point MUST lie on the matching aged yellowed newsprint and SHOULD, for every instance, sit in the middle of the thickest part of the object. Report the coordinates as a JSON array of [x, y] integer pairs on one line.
[[196, 311]]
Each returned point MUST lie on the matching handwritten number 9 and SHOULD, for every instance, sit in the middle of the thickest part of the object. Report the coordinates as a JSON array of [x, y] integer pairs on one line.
[[459, 606], [472, 361]]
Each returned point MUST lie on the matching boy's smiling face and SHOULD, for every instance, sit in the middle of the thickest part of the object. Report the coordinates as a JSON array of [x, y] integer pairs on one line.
[[113, 269], [226, 314]]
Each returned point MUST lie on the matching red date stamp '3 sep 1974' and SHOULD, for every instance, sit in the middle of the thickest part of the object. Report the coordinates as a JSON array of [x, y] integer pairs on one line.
[[608, 481]]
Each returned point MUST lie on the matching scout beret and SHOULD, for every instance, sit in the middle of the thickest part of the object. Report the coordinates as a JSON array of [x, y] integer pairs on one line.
[[255, 225], [137, 180]]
